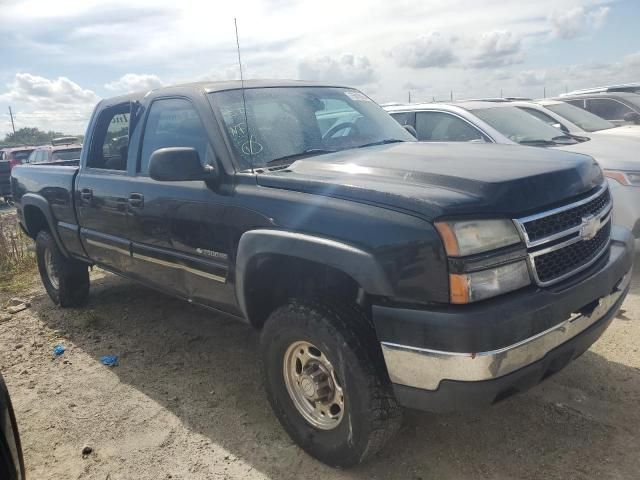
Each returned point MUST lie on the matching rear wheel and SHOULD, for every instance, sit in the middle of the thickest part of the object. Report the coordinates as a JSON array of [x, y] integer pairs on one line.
[[326, 381], [66, 280]]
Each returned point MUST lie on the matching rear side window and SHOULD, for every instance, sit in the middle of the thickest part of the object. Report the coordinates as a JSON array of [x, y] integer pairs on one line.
[[607, 108], [443, 127], [173, 122], [404, 118], [576, 103], [67, 154], [110, 141]]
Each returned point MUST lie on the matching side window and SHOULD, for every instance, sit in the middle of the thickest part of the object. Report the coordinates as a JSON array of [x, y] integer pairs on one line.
[[173, 122], [110, 140], [607, 108], [577, 103], [443, 127], [404, 118]]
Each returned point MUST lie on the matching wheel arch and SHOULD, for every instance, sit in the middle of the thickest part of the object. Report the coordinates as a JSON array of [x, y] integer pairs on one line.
[[299, 258], [37, 216]]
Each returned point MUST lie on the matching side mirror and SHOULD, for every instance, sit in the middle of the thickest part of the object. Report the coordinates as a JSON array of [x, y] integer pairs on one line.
[[176, 164], [632, 117], [411, 130]]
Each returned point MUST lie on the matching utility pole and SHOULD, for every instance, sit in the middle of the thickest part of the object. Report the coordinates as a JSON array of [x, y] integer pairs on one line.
[[501, 93], [409, 96], [545, 92], [452, 95], [12, 124]]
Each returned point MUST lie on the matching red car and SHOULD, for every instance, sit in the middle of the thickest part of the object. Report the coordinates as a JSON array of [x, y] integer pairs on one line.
[[61, 150], [9, 158]]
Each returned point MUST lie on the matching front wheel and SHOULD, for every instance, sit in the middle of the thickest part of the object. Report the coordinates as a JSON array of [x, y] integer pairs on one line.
[[326, 381], [66, 280]]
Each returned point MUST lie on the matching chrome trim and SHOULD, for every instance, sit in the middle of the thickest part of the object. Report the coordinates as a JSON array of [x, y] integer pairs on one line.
[[604, 215], [108, 246], [425, 369], [179, 266], [157, 261], [521, 221]]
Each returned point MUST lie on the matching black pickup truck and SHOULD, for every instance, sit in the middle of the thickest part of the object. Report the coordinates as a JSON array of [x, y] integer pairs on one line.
[[381, 272]]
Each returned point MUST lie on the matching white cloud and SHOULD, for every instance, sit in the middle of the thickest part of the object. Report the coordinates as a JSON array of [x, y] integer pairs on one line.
[[48, 94], [430, 50], [497, 49], [577, 21], [528, 78], [59, 104], [347, 69], [133, 82]]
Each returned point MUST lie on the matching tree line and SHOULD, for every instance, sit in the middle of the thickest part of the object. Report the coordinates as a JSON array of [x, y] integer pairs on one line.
[[32, 136]]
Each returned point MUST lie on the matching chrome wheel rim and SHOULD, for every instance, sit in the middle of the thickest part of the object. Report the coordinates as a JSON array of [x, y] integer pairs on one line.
[[50, 267], [313, 385]]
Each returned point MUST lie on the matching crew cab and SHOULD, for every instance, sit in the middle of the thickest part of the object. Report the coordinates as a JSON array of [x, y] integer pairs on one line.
[[381, 272]]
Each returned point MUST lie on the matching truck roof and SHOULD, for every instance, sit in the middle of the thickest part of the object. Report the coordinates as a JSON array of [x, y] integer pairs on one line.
[[217, 86]]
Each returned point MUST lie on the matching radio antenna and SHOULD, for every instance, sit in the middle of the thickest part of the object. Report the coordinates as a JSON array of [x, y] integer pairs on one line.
[[244, 99]]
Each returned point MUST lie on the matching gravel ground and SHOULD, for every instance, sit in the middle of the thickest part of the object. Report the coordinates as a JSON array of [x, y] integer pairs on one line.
[[186, 402]]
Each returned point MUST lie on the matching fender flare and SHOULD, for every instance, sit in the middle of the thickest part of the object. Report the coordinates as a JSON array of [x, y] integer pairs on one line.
[[358, 264], [41, 203]]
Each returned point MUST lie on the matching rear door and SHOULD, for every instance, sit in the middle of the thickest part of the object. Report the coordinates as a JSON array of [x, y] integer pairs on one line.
[[179, 239], [102, 189]]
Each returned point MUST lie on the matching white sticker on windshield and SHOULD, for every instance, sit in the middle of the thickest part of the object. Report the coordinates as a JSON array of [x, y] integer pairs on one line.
[[356, 96]]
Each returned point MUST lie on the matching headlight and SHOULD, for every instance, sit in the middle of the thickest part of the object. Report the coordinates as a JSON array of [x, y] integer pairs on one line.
[[471, 287], [629, 179], [497, 270], [466, 237]]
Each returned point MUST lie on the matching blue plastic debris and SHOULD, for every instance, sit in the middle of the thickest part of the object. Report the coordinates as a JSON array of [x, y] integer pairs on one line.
[[109, 360], [58, 350]]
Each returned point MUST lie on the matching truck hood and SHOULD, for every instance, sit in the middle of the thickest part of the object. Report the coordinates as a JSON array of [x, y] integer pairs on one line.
[[616, 152], [439, 179]]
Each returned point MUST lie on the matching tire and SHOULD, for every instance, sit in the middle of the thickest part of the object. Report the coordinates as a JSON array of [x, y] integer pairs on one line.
[[68, 284], [370, 415]]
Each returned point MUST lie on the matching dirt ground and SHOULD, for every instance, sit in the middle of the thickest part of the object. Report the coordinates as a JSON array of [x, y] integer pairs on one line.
[[187, 402]]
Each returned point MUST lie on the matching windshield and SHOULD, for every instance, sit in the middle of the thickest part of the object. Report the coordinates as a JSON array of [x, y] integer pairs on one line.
[[522, 127], [68, 154], [289, 122], [585, 120], [21, 154]]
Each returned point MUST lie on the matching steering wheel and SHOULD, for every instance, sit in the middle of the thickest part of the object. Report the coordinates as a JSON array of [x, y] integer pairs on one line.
[[341, 126]]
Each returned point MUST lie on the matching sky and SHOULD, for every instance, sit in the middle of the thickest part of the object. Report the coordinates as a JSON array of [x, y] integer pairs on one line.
[[59, 57]]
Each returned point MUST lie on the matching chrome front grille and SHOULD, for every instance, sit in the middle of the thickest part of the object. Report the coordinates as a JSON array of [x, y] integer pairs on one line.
[[563, 241]]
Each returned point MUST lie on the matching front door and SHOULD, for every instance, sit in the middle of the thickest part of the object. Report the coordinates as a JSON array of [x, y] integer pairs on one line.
[[177, 229], [102, 190]]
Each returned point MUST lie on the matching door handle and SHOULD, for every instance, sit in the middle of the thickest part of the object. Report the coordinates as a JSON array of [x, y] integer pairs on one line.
[[136, 200], [86, 194]]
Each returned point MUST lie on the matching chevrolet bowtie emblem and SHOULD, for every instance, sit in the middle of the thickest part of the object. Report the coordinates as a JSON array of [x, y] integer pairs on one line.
[[590, 227]]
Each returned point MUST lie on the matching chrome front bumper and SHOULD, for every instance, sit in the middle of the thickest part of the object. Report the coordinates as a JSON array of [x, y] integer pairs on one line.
[[425, 369]]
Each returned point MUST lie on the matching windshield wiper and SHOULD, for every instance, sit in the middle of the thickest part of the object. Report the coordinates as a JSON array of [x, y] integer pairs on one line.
[[287, 158], [537, 142], [382, 142]]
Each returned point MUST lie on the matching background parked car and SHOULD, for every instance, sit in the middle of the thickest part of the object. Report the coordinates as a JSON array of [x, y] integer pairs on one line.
[[618, 107], [61, 150], [9, 158], [576, 121], [503, 122], [11, 462]]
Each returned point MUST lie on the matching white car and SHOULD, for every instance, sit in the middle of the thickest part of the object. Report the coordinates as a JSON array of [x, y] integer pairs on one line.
[[575, 120], [502, 122]]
